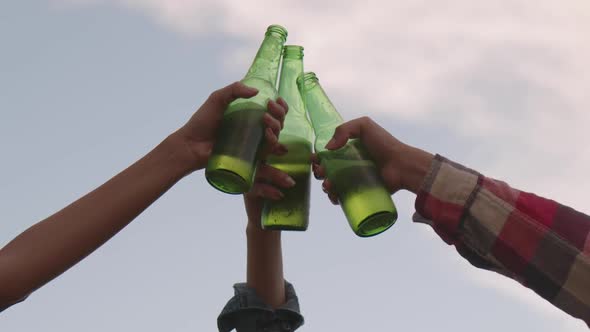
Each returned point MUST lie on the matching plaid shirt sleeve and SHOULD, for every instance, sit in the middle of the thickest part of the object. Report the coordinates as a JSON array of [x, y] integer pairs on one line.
[[538, 242]]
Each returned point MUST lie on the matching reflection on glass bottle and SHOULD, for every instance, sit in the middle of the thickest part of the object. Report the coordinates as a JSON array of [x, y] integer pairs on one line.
[[233, 161], [292, 212]]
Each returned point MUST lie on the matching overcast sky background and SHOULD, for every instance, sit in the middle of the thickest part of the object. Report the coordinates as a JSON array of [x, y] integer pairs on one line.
[[89, 86]]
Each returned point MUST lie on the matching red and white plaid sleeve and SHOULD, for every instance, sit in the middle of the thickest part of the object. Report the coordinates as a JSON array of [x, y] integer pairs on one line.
[[540, 243]]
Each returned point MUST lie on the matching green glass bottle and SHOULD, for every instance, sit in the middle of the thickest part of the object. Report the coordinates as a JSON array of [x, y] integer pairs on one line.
[[292, 212], [233, 161], [366, 202]]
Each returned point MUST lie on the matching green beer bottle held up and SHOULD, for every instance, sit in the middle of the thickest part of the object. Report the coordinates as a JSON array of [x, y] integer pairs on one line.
[[366, 202], [233, 161], [292, 212]]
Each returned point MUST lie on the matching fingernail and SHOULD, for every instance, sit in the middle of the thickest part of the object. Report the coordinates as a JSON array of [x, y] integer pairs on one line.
[[330, 143], [315, 172], [290, 181]]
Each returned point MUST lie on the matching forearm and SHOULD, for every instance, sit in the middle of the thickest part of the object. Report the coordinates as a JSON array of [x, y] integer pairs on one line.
[[265, 265], [53, 245]]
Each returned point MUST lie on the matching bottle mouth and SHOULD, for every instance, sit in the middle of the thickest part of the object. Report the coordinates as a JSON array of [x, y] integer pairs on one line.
[[306, 81], [277, 31], [293, 52]]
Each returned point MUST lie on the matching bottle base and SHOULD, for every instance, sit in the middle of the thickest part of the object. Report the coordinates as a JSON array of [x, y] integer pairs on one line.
[[376, 224], [284, 228], [227, 181]]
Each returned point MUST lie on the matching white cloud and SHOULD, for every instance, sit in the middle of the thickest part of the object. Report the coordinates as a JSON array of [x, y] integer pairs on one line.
[[511, 72], [418, 59], [396, 54]]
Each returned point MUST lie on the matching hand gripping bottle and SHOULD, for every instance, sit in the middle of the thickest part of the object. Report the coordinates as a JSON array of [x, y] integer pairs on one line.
[[355, 179]]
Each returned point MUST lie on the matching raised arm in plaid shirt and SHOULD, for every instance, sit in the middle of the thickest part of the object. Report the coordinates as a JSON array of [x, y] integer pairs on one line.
[[540, 243]]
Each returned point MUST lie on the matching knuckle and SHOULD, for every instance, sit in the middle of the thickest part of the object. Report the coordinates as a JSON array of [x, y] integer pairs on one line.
[[277, 124], [235, 85], [277, 174], [369, 121], [256, 190], [261, 176], [262, 189], [215, 95]]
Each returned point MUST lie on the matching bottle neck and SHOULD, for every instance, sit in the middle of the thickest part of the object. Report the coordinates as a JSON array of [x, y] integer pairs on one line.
[[293, 52], [266, 63], [296, 122], [324, 116]]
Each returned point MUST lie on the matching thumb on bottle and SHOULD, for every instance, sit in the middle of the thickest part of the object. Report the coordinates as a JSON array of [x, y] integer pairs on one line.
[[224, 96], [345, 131], [338, 140], [332, 144]]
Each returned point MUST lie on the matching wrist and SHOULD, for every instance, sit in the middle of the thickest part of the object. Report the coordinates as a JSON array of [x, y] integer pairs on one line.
[[181, 153], [255, 232], [253, 226], [415, 165]]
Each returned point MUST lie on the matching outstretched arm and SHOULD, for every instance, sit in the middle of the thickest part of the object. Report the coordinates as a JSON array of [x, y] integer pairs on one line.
[[55, 244], [536, 241], [265, 257], [266, 301]]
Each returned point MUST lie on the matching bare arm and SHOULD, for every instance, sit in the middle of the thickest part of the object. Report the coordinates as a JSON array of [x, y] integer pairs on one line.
[[534, 240], [266, 301], [265, 265], [265, 257], [55, 244]]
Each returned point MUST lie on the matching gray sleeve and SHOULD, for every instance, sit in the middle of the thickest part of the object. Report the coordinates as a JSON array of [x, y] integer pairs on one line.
[[246, 312]]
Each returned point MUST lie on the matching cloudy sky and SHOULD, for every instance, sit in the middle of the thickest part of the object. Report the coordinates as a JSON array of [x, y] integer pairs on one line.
[[89, 86]]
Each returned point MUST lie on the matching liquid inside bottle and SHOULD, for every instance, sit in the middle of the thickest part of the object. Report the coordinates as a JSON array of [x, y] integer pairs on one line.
[[355, 179], [234, 158], [292, 212]]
